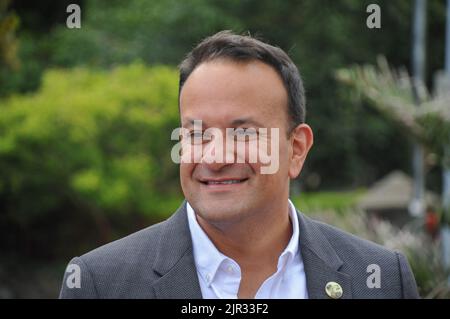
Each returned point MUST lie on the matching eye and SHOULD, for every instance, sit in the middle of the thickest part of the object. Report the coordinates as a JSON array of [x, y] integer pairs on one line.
[[245, 134], [196, 134], [194, 137]]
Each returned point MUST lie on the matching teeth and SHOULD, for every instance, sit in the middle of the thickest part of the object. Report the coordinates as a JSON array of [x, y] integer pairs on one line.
[[234, 181]]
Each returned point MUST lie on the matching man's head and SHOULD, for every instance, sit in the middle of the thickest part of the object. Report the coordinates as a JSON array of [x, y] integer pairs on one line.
[[237, 48], [232, 81]]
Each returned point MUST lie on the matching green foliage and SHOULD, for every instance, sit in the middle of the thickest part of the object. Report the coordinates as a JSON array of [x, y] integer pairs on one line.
[[347, 136], [8, 41], [392, 93], [155, 31], [317, 201], [96, 139]]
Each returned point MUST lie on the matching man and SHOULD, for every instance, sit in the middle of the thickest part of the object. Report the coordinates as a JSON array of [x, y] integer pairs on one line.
[[237, 235]]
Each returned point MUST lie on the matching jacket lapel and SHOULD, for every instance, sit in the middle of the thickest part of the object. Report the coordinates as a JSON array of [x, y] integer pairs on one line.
[[175, 260], [176, 266], [320, 260]]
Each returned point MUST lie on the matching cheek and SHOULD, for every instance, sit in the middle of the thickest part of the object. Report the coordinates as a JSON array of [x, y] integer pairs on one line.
[[285, 156], [186, 173], [277, 161], [191, 153], [247, 153], [255, 168]]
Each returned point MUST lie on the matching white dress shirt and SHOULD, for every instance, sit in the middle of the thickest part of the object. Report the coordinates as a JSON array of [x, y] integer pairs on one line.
[[220, 276]]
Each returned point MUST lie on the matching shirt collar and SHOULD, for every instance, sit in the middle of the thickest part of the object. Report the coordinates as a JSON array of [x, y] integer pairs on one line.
[[292, 247], [208, 258]]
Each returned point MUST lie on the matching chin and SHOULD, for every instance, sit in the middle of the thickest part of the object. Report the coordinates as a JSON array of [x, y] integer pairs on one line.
[[218, 213]]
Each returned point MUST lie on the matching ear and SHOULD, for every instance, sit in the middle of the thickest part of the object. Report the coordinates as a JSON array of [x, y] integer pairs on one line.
[[301, 140]]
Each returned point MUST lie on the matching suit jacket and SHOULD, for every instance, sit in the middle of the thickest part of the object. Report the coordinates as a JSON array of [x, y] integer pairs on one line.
[[158, 262]]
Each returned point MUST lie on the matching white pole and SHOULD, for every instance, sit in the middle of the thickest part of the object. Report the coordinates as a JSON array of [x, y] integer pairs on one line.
[[445, 230], [417, 205]]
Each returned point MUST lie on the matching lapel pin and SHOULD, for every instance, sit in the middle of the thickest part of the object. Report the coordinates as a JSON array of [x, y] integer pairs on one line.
[[334, 290]]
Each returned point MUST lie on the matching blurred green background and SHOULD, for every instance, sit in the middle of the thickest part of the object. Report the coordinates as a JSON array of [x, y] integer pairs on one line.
[[86, 116]]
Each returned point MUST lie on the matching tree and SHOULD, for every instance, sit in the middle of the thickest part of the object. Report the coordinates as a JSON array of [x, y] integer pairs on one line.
[[392, 93], [92, 142], [8, 41]]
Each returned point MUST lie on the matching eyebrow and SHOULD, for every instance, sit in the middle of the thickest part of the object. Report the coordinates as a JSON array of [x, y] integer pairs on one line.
[[246, 120], [236, 122], [190, 121]]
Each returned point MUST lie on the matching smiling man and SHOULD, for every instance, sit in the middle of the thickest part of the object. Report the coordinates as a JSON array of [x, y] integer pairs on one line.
[[237, 235]]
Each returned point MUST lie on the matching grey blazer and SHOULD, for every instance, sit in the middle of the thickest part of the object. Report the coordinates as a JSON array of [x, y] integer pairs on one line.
[[158, 262]]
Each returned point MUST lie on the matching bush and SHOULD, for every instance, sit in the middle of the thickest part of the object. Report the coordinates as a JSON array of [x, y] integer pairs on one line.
[[88, 140]]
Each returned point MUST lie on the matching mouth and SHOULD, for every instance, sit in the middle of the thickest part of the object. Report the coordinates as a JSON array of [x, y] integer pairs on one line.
[[223, 183]]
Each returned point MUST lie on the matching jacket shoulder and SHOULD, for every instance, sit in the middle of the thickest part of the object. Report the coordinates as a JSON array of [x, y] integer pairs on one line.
[[346, 243], [115, 270], [138, 244], [361, 258]]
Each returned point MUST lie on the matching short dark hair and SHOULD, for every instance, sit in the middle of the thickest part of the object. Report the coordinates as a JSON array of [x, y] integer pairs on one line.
[[226, 44]]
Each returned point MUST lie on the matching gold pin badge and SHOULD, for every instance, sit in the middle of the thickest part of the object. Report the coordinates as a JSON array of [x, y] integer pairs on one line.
[[334, 290]]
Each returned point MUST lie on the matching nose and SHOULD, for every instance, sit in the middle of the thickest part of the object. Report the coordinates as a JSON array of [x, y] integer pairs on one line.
[[216, 154], [215, 167]]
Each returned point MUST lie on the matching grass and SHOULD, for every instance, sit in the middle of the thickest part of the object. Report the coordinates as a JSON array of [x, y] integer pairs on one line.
[[317, 201]]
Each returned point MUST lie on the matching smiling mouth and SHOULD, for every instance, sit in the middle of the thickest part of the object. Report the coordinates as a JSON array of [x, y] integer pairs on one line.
[[224, 182]]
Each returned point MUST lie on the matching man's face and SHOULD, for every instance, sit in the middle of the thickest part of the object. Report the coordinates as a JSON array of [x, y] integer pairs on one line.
[[226, 94]]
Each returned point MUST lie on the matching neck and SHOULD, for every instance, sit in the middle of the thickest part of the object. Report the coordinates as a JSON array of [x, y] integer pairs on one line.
[[257, 240]]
